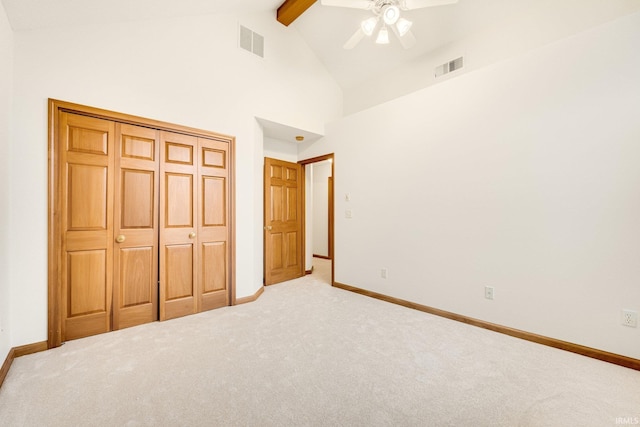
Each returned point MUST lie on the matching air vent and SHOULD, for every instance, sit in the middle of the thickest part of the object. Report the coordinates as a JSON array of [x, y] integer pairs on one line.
[[449, 67], [251, 41]]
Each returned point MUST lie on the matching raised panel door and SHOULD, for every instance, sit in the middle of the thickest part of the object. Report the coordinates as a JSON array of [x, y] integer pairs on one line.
[[213, 227], [178, 225], [86, 179], [283, 221], [136, 228]]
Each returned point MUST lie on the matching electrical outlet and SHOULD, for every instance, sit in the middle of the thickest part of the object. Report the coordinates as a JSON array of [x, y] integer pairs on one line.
[[488, 292], [383, 273], [630, 318], [348, 214]]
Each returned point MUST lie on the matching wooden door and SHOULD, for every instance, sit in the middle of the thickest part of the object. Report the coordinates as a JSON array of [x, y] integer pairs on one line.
[[86, 194], [135, 280], [178, 225], [213, 224], [282, 221]]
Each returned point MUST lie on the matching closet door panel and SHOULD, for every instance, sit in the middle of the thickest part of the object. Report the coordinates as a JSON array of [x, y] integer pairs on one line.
[[136, 226], [178, 231], [86, 199], [213, 229]]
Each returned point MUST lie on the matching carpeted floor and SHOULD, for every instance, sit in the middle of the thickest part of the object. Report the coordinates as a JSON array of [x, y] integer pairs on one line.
[[309, 354]]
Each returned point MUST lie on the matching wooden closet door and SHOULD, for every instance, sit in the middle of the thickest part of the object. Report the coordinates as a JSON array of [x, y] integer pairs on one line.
[[178, 229], [86, 159], [213, 226], [135, 281]]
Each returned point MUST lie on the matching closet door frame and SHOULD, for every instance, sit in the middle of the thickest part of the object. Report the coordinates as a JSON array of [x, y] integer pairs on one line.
[[55, 316]]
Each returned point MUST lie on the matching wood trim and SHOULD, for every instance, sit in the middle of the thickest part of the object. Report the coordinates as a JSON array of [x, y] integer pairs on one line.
[[6, 365], [317, 159], [304, 220], [593, 353], [99, 113], [332, 230], [19, 351], [250, 298], [321, 256], [290, 10], [232, 219], [24, 350], [54, 338], [330, 214], [54, 297], [307, 272]]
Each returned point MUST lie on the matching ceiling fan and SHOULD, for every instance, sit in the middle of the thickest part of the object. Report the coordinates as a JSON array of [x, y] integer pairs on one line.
[[387, 14]]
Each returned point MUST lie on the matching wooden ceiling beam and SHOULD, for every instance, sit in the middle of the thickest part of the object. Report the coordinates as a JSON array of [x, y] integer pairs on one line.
[[290, 10]]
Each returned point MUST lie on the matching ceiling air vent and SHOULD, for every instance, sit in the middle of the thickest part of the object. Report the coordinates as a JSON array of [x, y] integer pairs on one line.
[[449, 67], [251, 41]]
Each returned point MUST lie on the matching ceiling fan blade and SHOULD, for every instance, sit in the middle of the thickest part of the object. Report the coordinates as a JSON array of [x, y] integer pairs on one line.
[[355, 4], [419, 4], [408, 40], [354, 40]]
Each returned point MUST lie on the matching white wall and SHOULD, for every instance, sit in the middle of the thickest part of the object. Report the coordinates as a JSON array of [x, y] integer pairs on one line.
[[185, 70], [321, 172], [518, 27], [6, 81], [281, 150], [522, 175]]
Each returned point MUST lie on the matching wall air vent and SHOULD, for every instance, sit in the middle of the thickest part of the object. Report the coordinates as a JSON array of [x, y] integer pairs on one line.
[[449, 67], [251, 41]]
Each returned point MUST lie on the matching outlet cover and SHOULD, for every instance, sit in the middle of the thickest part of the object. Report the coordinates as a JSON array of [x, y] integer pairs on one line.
[[488, 292], [630, 318]]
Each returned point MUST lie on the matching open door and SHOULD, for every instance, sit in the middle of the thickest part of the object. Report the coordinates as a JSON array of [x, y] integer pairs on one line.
[[283, 215]]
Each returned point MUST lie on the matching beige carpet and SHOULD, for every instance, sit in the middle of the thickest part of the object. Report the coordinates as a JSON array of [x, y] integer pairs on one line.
[[308, 354]]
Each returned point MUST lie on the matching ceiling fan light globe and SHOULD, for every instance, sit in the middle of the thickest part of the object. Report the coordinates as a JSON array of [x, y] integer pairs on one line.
[[368, 25], [390, 14], [403, 26], [383, 36]]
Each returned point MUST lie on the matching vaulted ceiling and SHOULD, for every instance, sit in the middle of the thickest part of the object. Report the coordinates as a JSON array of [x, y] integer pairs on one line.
[[325, 29]]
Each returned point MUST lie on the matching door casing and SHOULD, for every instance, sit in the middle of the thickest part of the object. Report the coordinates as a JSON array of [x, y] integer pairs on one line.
[[304, 163]]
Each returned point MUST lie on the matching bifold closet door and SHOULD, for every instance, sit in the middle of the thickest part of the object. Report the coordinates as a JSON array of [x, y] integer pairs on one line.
[[135, 280], [194, 214], [178, 227], [213, 224], [85, 203], [109, 206]]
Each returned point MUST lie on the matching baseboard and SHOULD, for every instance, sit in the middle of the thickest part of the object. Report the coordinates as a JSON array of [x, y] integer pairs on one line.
[[6, 365], [250, 298], [309, 271], [22, 350], [605, 356], [37, 347], [321, 256]]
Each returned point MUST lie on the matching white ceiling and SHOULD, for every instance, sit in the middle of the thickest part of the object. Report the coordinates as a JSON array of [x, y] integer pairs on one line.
[[32, 14], [326, 29]]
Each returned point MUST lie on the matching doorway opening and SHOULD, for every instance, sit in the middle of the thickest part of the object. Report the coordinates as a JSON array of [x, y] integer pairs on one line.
[[319, 173]]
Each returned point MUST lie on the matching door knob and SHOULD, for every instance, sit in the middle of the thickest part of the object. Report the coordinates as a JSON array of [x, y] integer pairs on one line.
[[121, 238], [192, 235], [268, 228]]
